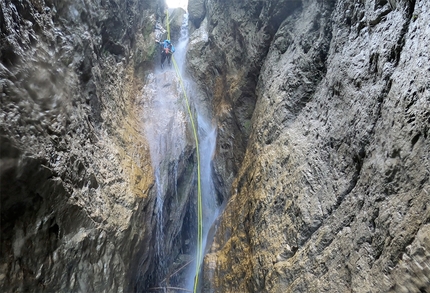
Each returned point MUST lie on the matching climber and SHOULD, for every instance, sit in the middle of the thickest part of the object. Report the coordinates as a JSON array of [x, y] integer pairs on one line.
[[167, 50]]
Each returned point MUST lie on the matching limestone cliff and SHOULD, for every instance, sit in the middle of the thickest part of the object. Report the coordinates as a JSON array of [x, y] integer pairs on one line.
[[77, 185], [329, 180]]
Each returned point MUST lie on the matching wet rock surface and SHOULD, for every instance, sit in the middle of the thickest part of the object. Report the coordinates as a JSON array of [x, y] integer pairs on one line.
[[330, 183], [171, 145]]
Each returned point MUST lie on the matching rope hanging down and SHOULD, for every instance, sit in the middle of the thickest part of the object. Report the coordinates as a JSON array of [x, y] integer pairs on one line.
[[199, 253], [199, 190], [168, 24]]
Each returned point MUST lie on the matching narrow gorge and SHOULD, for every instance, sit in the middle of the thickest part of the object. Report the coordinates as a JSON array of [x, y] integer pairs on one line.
[[285, 149]]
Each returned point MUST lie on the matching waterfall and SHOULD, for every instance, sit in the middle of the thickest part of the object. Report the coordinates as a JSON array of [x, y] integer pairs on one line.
[[181, 47], [207, 137], [166, 123], [165, 131], [207, 140], [159, 203]]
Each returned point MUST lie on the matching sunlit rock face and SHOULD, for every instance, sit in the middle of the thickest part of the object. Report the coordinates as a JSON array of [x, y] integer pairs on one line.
[[76, 176], [329, 182]]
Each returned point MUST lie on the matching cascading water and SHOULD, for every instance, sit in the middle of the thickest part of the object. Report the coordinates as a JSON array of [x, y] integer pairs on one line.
[[165, 130], [207, 139], [181, 48], [166, 121], [159, 202]]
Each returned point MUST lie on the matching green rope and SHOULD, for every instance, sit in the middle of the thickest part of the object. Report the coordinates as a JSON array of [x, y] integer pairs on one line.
[[199, 252], [168, 24], [199, 191]]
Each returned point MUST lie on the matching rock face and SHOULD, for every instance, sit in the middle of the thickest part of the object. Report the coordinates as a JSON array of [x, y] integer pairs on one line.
[[329, 181], [225, 56], [196, 12], [77, 187]]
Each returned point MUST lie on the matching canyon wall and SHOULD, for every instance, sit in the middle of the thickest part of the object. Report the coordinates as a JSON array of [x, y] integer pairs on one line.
[[77, 185], [323, 109]]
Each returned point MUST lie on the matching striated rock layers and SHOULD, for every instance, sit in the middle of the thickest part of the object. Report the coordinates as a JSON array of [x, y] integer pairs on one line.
[[329, 180], [77, 188]]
